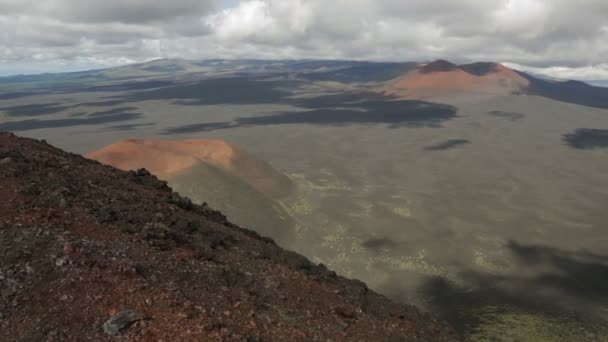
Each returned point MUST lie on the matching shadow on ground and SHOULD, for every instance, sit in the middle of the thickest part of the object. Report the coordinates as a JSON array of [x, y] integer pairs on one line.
[[91, 119], [128, 86], [108, 103], [16, 95], [547, 280], [587, 138], [33, 109], [128, 127], [114, 111], [231, 90], [448, 145], [394, 113], [511, 116]]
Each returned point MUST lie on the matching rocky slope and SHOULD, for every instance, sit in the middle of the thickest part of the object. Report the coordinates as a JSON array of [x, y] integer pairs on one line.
[[89, 252]]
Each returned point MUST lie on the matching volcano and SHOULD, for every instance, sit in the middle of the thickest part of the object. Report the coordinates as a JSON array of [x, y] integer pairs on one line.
[[171, 158], [211, 171], [443, 76]]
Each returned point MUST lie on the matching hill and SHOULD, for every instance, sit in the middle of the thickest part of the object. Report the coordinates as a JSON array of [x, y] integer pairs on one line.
[[88, 252], [441, 77], [213, 171], [170, 158]]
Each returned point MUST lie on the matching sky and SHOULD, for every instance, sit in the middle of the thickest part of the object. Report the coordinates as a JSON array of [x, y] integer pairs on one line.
[[558, 38]]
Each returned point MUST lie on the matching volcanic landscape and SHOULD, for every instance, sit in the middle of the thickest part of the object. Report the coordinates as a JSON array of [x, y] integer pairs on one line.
[[475, 192]]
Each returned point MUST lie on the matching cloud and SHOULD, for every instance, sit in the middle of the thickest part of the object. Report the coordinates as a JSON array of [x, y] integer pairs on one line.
[[94, 11], [539, 33], [542, 34], [128, 11], [590, 72]]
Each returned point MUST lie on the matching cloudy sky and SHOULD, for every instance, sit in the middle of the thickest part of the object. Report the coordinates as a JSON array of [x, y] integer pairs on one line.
[[562, 38]]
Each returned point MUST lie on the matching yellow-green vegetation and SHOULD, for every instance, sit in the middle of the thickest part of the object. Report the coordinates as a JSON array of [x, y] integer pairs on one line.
[[337, 236], [297, 206], [398, 207], [484, 261], [301, 206], [413, 263], [365, 209], [494, 240], [507, 325], [350, 256], [347, 253], [403, 212], [294, 211], [341, 250], [323, 185]]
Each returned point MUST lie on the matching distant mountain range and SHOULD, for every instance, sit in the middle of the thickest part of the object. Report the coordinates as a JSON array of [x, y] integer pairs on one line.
[[401, 79], [598, 83]]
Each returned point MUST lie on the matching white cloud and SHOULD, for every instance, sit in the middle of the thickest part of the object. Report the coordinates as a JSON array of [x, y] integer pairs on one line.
[[542, 34], [585, 73], [263, 22]]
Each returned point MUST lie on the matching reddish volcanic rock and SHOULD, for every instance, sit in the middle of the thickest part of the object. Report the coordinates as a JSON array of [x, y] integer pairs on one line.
[[170, 158]]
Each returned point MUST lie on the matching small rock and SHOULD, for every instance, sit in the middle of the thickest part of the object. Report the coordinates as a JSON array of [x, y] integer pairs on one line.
[[143, 173], [63, 298], [60, 262], [182, 202], [56, 336], [345, 312], [68, 247], [29, 269], [120, 321], [6, 160]]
